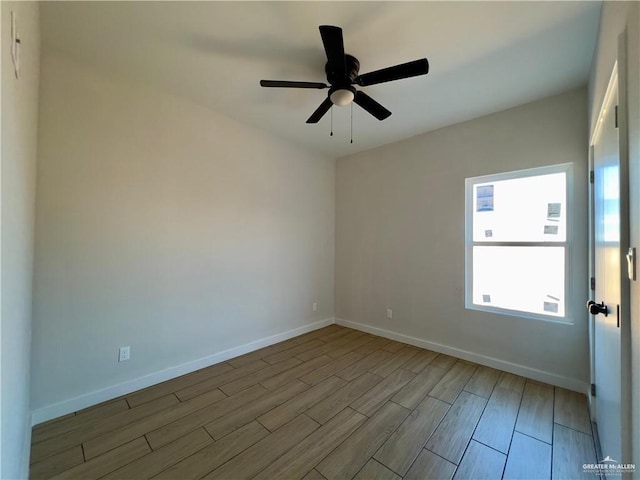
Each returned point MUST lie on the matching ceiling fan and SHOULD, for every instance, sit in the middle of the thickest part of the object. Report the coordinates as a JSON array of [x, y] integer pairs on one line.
[[342, 73]]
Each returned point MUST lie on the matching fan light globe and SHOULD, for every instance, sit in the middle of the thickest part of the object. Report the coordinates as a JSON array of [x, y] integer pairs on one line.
[[342, 97]]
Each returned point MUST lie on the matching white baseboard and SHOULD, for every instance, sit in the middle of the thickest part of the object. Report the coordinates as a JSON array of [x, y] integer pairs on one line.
[[93, 398], [528, 372]]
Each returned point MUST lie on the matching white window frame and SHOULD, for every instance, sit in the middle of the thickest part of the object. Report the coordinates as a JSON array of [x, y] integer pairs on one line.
[[566, 168]]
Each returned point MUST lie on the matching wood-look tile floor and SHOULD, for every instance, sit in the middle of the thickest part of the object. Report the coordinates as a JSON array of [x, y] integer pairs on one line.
[[335, 403]]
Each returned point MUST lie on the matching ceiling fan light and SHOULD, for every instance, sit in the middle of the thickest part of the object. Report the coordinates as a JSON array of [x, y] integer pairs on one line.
[[342, 97]]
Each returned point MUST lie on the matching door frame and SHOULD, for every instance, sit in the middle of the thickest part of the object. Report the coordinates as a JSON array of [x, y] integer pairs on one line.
[[619, 72]]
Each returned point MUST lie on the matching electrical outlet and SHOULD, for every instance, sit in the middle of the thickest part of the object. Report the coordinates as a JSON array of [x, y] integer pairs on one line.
[[389, 313], [314, 307], [124, 354]]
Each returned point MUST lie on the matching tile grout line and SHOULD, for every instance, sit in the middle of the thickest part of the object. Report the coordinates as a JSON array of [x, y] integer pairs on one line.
[[424, 447], [476, 425], [475, 428], [410, 412], [513, 432], [147, 440], [390, 435], [531, 436], [572, 429]]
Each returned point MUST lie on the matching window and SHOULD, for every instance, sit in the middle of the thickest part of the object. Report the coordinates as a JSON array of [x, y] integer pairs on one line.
[[517, 242]]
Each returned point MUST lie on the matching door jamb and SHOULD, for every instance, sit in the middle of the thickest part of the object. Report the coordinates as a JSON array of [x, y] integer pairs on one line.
[[625, 240], [590, 293]]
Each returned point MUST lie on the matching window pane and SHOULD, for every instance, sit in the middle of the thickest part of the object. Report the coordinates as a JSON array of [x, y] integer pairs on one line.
[[526, 279], [530, 209], [611, 204]]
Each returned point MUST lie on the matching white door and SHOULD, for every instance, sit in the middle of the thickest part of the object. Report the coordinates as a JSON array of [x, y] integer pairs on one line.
[[607, 270]]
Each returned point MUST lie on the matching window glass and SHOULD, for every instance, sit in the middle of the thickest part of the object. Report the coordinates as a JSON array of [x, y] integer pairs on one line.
[[527, 279], [521, 209]]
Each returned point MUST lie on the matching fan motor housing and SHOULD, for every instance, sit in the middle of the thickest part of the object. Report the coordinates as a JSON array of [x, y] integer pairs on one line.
[[338, 80]]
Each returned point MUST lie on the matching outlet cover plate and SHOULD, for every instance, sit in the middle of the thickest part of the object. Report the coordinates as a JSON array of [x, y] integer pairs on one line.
[[124, 354]]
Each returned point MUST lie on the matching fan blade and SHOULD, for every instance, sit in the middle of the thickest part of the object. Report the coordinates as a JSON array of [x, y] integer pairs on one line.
[[334, 47], [287, 84], [371, 106], [320, 111], [397, 72]]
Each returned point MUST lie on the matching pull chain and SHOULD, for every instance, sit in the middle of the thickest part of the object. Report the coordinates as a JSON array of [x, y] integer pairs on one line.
[[331, 134], [351, 122]]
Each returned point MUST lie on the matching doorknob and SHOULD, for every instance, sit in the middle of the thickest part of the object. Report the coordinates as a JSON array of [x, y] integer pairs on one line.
[[596, 308]]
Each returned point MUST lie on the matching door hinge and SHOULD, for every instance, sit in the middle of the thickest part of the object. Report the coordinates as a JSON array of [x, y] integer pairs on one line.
[[616, 116], [592, 176], [593, 283], [593, 389]]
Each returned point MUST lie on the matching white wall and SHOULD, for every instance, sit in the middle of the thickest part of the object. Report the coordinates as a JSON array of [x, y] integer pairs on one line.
[[19, 140], [400, 236], [616, 17], [167, 227]]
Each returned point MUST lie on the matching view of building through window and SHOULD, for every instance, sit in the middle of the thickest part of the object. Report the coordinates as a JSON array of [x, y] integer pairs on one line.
[[516, 242]]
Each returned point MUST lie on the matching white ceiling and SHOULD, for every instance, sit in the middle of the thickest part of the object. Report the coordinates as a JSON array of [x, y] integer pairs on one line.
[[484, 57]]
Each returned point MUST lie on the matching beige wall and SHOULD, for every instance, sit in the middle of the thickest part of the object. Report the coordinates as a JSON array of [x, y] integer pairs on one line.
[[616, 18], [19, 140], [400, 237], [167, 227]]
